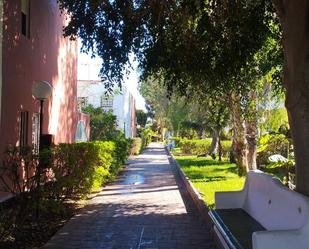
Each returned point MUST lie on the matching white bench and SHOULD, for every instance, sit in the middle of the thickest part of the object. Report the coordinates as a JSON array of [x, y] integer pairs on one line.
[[264, 215]]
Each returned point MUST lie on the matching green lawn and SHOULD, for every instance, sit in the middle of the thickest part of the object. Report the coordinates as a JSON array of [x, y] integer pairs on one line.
[[209, 175]]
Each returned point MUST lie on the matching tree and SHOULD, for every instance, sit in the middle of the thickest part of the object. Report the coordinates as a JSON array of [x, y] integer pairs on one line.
[[103, 125], [201, 44], [213, 113], [141, 117], [294, 22], [157, 101]]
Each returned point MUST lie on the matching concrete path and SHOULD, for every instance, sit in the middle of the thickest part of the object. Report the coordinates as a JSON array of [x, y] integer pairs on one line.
[[142, 210]]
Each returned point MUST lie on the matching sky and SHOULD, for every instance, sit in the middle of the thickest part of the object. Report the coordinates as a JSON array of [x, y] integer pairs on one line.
[[131, 81], [132, 84]]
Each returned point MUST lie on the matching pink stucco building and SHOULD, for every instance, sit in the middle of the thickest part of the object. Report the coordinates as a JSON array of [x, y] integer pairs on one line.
[[32, 48]]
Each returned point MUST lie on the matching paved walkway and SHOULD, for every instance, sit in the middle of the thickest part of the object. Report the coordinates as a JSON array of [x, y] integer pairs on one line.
[[142, 210]]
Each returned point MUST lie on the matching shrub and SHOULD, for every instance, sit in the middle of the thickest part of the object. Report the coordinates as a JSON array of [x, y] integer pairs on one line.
[[187, 146], [146, 135], [202, 146], [122, 152], [67, 171], [177, 141], [195, 147], [103, 125], [17, 170], [79, 167], [271, 144], [136, 146]]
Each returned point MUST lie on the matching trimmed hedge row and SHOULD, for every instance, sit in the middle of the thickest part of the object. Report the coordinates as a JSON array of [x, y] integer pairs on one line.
[[65, 171], [79, 168], [195, 147], [200, 146]]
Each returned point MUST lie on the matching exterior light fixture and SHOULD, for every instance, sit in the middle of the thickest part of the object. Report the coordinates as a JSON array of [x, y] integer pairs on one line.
[[41, 90]]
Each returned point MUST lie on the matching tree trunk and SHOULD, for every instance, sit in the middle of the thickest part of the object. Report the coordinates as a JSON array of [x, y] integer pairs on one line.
[[251, 132], [294, 19], [239, 139], [219, 150], [233, 152], [200, 133], [251, 137], [214, 143]]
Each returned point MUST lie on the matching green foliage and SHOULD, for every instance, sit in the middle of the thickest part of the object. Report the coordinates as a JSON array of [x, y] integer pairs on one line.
[[141, 117], [201, 146], [80, 167], [195, 147], [200, 43], [68, 171], [226, 146], [188, 130], [177, 141], [122, 151], [102, 124], [271, 144], [136, 146], [274, 120], [14, 163], [147, 135]]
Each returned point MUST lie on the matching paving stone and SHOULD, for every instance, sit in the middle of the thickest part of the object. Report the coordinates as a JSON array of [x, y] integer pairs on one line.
[[143, 209]]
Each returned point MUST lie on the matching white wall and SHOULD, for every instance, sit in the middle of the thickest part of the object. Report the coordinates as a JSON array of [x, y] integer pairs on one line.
[[89, 85]]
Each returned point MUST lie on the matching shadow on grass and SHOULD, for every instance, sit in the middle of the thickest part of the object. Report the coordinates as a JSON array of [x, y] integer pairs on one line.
[[207, 179], [207, 169], [199, 162], [232, 169]]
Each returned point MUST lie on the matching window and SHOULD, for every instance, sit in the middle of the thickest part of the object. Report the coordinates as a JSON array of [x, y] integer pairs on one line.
[[82, 102], [35, 132], [25, 17], [106, 102], [23, 136]]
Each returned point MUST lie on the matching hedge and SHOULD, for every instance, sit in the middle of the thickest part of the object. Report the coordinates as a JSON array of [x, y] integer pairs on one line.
[[195, 147], [67, 171], [201, 146], [136, 146], [78, 168]]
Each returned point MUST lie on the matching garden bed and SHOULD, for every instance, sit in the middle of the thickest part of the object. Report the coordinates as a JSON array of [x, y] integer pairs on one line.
[[68, 174], [28, 232]]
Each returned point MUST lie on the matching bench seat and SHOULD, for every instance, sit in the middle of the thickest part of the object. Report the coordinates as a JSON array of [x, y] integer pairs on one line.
[[265, 214], [237, 226]]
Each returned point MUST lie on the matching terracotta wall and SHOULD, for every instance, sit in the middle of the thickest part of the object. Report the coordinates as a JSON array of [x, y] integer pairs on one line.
[[46, 55]]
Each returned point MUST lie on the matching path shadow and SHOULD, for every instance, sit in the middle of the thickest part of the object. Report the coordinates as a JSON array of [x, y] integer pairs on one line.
[[136, 226]]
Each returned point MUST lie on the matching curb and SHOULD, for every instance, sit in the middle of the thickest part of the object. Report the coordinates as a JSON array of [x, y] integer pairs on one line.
[[197, 200]]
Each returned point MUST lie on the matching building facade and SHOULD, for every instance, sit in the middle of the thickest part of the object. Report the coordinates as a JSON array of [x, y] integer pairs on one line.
[[32, 48], [91, 90]]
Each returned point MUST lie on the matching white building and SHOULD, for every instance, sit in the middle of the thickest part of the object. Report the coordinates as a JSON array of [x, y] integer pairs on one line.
[[90, 90]]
